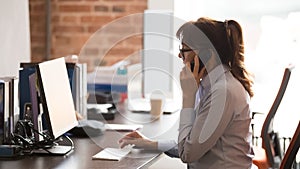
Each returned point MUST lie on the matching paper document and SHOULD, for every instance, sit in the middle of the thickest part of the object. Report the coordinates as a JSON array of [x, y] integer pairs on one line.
[[112, 154], [123, 127]]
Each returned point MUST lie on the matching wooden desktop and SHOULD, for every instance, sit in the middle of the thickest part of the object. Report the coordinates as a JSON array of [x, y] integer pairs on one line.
[[81, 158]]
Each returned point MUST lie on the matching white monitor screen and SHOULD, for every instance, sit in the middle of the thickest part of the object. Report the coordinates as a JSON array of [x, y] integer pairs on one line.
[[56, 96]]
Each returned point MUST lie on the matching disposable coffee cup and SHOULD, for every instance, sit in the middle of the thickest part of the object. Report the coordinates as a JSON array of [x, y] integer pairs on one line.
[[156, 108]]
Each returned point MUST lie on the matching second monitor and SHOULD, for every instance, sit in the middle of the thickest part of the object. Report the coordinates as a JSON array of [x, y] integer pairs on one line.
[[56, 96]]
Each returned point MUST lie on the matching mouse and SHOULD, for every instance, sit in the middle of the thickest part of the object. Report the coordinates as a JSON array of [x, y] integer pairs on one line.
[[88, 128]]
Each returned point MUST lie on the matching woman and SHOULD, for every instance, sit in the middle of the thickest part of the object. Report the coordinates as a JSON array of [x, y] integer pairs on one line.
[[214, 127]]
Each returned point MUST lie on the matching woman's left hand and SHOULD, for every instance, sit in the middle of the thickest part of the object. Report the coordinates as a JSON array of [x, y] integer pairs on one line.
[[138, 140]]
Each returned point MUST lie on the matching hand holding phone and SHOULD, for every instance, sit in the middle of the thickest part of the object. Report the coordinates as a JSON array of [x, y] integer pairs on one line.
[[201, 65], [197, 67], [205, 55]]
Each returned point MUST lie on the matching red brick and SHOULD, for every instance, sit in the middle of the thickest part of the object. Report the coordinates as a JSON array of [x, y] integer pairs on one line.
[[70, 19], [55, 19], [116, 8], [38, 8], [96, 19], [38, 18], [122, 51], [39, 50], [33, 5], [136, 8], [38, 38], [54, 8], [37, 57], [61, 39], [126, 28], [119, 0], [75, 8], [64, 50], [37, 29], [134, 41], [93, 28], [69, 0], [68, 29], [101, 8], [78, 41]]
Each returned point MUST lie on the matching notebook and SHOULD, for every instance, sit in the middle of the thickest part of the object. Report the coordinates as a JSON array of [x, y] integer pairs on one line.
[[112, 154]]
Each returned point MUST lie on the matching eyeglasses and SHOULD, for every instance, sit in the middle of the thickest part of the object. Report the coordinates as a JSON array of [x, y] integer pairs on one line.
[[182, 51]]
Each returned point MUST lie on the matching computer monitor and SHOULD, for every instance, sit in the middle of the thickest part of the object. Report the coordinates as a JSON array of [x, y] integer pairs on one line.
[[157, 58], [159, 76], [56, 97]]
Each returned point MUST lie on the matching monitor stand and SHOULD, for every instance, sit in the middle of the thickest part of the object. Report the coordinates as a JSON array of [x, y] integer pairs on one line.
[[54, 150]]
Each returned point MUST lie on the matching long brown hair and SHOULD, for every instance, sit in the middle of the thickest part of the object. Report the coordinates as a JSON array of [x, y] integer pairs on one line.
[[238, 68], [227, 40]]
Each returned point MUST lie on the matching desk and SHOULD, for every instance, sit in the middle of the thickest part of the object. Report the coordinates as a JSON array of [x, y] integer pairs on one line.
[[85, 148]]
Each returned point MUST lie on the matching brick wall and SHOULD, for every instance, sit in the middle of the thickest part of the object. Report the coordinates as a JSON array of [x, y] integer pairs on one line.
[[73, 22]]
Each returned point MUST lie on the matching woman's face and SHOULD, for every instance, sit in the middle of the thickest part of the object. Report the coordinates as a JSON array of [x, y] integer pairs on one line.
[[186, 54]]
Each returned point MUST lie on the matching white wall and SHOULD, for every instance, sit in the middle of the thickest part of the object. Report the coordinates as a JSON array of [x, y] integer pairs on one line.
[[14, 36]]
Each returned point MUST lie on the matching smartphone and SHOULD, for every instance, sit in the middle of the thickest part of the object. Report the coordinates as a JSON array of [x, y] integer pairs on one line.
[[205, 54], [200, 66]]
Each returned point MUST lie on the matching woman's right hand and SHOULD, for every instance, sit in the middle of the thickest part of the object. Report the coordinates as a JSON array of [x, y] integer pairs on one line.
[[138, 140], [198, 74], [189, 81]]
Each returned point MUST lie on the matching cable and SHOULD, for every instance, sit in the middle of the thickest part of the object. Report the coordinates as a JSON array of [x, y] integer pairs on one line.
[[71, 141], [46, 137], [24, 137]]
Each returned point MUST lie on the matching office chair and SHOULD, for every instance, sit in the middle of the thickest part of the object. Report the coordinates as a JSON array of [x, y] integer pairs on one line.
[[290, 155], [270, 154]]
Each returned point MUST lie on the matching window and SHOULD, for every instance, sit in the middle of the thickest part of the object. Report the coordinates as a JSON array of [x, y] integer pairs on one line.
[[272, 41]]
